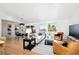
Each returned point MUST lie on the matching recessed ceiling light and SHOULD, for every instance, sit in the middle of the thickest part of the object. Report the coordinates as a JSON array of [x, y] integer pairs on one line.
[[21, 18]]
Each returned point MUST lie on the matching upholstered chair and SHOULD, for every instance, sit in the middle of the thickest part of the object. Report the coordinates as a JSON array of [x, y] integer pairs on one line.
[[72, 48]]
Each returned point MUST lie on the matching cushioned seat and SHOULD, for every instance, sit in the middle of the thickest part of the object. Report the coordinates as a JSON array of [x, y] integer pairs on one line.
[[71, 49], [59, 36]]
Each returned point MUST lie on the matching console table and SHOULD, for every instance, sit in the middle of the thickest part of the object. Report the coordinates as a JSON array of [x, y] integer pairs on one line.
[[31, 43]]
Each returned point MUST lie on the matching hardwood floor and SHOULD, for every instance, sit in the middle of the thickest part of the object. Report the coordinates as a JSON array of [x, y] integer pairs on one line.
[[15, 47]]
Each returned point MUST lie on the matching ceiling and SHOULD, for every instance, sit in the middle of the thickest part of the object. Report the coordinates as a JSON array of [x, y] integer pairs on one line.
[[36, 12]]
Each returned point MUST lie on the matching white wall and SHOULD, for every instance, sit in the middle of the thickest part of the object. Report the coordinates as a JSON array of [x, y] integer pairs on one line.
[[7, 17], [61, 25], [0, 27], [4, 28], [4, 16], [74, 21]]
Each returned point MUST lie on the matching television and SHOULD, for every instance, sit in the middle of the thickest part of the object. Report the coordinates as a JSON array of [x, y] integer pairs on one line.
[[74, 31]]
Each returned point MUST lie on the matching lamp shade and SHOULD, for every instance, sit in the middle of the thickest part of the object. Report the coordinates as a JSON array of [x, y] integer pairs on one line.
[[28, 30]]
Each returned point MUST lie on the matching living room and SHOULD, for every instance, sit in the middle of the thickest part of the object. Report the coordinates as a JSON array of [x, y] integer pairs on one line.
[[41, 21]]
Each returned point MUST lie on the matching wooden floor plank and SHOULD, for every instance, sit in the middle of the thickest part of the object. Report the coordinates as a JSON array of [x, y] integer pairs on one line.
[[15, 47]]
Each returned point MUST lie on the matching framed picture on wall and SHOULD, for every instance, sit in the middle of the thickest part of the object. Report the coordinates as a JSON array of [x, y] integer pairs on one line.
[[9, 26], [51, 27]]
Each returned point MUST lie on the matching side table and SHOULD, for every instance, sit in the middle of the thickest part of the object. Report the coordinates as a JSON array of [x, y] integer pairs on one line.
[[31, 43], [48, 42]]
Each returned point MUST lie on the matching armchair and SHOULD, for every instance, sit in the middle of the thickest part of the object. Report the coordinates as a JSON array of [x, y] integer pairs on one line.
[[59, 36], [71, 49]]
